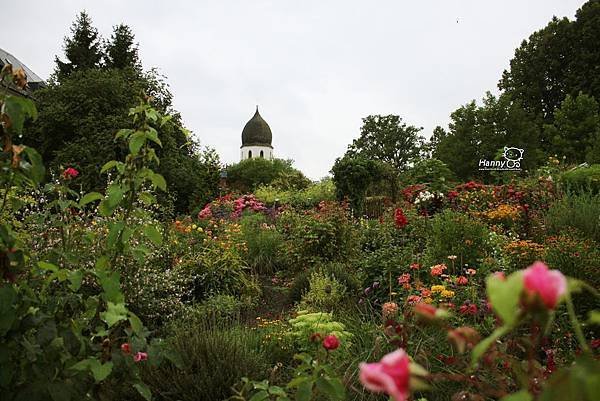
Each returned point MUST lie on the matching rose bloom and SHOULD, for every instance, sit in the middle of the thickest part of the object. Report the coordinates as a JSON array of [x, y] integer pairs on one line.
[[462, 280], [403, 279], [70, 173], [544, 284], [140, 356], [391, 375], [126, 348], [415, 266], [413, 299], [331, 342]]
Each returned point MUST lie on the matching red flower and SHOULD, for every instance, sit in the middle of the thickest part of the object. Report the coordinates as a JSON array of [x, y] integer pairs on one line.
[[462, 280], [70, 173], [413, 299], [126, 348], [415, 266], [404, 279], [400, 219], [468, 309], [331, 342], [140, 356]]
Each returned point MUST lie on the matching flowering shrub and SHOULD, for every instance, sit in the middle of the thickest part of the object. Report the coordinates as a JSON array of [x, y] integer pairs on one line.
[[226, 207]]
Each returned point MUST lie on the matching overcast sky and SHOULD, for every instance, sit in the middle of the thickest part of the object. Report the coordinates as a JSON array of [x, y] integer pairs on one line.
[[315, 68]]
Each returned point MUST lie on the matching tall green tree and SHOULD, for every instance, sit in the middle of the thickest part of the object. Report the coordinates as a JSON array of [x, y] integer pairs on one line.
[[121, 50], [481, 132], [249, 174], [575, 128], [83, 50], [561, 59], [353, 175], [389, 140]]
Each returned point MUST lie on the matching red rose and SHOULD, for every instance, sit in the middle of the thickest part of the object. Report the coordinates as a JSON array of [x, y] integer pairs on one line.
[[126, 348], [331, 342], [70, 173]]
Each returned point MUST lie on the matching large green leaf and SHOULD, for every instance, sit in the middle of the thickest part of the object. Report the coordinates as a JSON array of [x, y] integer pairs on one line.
[[111, 285], [17, 109], [504, 295], [114, 313], [136, 141], [522, 395], [144, 390], [90, 197], [331, 387], [153, 235]]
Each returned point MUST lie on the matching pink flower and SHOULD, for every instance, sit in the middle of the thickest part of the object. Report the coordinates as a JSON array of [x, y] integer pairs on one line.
[[140, 356], [548, 285], [413, 299], [391, 375], [403, 279], [331, 342], [415, 266], [438, 270], [70, 173], [462, 280]]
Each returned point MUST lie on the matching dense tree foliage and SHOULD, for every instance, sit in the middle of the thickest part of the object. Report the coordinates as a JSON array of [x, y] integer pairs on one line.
[[575, 129], [561, 59], [83, 49], [249, 174], [387, 139], [98, 98], [353, 175], [481, 132]]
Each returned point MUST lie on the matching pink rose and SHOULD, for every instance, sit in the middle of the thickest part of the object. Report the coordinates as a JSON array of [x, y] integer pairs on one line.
[[140, 356], [391, 375], [548, 285]]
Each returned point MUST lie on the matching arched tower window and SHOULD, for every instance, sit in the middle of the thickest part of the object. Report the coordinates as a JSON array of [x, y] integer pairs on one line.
[[249, 154], [262, 154]]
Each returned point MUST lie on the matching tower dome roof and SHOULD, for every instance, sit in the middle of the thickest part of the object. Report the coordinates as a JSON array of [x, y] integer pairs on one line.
[[257, 132]]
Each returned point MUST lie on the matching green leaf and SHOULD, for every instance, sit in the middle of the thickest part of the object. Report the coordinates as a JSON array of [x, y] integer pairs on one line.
[[113, 233], [17, 109], [147, 198], [48, 266], [594, 317], [109, 165], [99, 371], [504, 295], [153, 136], [114, 195], [34, 169], [331, 387], [7, 312], [522, 395], [75, 278], [144, 390], [111, 287], [153, 235], [260, 396], [136, 141], [304, 392], [89, 197], [114, 313], [579, 381], [158, 181], [136, 324], [123, 133]]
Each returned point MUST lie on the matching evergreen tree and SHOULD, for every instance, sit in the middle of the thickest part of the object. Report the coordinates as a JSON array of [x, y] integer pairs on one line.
[[121, 51], [83, 49]]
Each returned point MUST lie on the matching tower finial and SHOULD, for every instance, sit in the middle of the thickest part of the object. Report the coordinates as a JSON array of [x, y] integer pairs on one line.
[[257, 108]]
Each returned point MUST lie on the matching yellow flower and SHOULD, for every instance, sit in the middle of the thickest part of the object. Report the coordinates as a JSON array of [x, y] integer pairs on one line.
[[447, 294], [438, 288], [428, 300], [194, 226]]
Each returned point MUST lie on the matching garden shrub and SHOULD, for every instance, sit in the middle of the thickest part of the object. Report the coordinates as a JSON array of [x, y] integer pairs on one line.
[[306, 325], [579, 211], [322, 235], [216, 269], [344, 273], [384, 265], [324, 293], [582, 179], [454, 233], [263, 241], [209, 361], [305, 198]]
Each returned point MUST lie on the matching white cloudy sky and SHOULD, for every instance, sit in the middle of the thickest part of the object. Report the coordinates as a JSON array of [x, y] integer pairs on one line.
[[314, 67]]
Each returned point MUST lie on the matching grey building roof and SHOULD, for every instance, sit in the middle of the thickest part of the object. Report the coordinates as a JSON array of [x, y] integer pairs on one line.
[[33, 80], [257, 132]]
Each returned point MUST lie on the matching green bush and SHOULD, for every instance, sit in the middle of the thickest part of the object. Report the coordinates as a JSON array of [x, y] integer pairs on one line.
[[215, 270], [263, 242], [576, 211], [209, 361], [343, 273], [324, 293], [582, 179], [308, 197], [454, 233]]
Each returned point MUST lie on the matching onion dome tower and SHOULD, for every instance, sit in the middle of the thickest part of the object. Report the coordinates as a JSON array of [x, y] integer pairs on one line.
[[256, 139]]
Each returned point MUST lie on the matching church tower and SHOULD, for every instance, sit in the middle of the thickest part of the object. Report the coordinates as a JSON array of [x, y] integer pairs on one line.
[[256, 139]]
